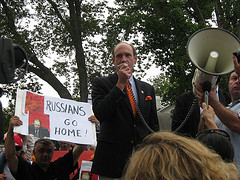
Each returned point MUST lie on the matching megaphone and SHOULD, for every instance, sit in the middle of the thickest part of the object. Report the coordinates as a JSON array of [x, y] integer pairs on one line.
[[211, 51]]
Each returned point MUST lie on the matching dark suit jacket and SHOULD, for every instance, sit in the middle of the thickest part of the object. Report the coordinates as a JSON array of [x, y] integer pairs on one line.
[[119, 131], [182, 106], [43, 132]]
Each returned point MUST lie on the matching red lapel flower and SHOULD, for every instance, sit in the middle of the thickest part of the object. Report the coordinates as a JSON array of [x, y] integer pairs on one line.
[[148, 98]]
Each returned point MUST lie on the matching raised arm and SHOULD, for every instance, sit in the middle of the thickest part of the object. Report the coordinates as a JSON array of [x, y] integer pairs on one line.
[[10, 150], [228, 117], [208, 116], [77, 151]]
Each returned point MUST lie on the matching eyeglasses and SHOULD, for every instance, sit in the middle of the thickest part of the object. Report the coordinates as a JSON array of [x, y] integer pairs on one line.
[[217, 131]]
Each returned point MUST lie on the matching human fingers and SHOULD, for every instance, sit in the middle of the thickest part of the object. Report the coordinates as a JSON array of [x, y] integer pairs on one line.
[[122, 65], [124, 75], [91, 120], [91, 117], [15, 120], [198, 86], [204, 105], [235, 61], [211, 109], [236, 65], [3, 176]]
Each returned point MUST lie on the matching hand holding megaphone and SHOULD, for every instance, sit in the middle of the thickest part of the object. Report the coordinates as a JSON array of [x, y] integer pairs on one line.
[[206, 87], [124, 73], [205, 93], [202, 91], [208, 116]]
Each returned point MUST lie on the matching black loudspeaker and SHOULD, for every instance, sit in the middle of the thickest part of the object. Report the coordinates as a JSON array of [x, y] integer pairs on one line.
[[13, 61]]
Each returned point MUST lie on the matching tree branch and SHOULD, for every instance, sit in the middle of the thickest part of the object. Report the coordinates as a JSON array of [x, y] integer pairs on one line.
[[54, 5], [46, 75]]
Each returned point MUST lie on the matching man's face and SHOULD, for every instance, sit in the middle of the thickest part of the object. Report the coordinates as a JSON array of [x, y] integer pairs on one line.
[[123, 53], [234, 86], [43, 154], [64, 145], [37, 125]]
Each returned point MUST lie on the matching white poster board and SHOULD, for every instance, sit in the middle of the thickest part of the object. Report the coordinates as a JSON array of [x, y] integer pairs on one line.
[[60, 119]]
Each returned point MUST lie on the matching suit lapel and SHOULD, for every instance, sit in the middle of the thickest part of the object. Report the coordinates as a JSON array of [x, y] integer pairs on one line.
[[114, 78]]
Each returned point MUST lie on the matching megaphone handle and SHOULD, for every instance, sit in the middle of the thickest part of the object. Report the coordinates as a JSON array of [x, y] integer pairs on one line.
[[206, 95]]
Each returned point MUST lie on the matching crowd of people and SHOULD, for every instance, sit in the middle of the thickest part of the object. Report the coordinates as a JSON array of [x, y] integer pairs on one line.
[[129, 143]]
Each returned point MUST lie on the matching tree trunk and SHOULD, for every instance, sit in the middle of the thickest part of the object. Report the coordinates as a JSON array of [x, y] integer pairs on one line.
[[82, 72]]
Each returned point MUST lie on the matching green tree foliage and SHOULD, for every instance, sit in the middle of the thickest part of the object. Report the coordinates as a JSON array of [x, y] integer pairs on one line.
[[66, 28], [69, 28], [165, 27], [15, 22]]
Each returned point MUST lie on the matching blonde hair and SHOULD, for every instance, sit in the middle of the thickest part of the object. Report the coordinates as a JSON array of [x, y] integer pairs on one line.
[[167, 156]]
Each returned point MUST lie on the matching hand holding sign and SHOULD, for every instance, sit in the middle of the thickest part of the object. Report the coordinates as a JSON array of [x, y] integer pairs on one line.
[[56, 118]]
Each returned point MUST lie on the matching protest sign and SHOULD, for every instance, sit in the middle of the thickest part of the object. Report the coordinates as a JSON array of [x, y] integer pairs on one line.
[[54, 118]]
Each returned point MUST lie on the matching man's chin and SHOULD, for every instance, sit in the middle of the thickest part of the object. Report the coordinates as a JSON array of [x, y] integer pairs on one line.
[[236, 95]]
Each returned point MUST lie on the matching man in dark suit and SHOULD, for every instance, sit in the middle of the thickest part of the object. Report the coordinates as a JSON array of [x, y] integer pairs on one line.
[[182, 107], [120, 130], [36, 129]]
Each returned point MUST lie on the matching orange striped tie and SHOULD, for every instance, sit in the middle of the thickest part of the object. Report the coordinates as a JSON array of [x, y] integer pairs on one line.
[[131, 98]]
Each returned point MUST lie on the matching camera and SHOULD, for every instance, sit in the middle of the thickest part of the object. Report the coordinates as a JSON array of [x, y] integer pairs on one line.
[[13, 61]]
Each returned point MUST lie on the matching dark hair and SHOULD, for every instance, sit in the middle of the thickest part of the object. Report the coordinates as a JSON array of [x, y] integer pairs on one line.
[[219, 141], [133, 49], [47, 142]]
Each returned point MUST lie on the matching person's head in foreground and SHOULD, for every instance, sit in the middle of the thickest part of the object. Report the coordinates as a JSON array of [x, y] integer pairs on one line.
[[43, 152], [219, 141], [167, 156]]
